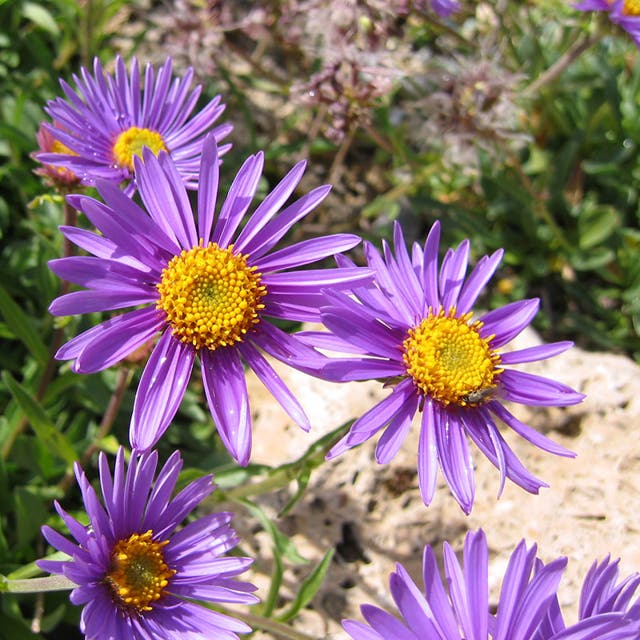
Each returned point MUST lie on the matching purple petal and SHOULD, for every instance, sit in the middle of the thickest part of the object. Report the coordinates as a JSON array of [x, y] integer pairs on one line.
[[428, 453], [162, 386], [226, 390], [430, 268], [452, 272], [308, 251], [117, 338], [274, 383], [482, 273], [533, 354], [270, 206], [393, 437], [208, 188], [90, 300], [508, 321], [537, 391], [241, 193]]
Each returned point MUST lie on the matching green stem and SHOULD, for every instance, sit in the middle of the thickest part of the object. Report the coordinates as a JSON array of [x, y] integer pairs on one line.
[[277, 628], [558, 67], [283, 475], [36, 585]]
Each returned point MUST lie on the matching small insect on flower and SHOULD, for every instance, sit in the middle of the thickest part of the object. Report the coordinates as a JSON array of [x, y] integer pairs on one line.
[[478, 396], [414, 329]]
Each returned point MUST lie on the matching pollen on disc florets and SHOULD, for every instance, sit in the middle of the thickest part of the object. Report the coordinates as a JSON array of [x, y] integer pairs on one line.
[[139, 574], [132, 141], [449, 361], [212, 298], [631, 7]]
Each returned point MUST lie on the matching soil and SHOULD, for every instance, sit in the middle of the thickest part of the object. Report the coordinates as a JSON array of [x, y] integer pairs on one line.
[[372, 515]]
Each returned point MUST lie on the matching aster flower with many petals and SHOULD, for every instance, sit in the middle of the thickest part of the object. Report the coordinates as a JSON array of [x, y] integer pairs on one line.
[[207, 287], [108, 120], [415, 330], [625, 13], [527, 597], [137, 574]]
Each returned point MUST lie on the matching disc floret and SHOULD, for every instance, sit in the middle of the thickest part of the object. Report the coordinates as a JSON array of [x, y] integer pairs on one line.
[[212, 298], [140, 574], [132, 141], [448, 359]]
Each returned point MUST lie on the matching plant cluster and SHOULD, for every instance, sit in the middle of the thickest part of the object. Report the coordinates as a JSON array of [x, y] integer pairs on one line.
[[180, 227]]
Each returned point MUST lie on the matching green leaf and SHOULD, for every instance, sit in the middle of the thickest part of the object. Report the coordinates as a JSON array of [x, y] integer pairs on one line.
[[309, 587], [283, 546], [45, 430], [40, 17], [15, 630], [22, 327], [31, 512], [302, 481], [595, 225], [269, 603]]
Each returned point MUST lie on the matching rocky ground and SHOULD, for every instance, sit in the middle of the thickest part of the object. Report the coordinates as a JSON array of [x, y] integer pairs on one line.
[[373, 515]]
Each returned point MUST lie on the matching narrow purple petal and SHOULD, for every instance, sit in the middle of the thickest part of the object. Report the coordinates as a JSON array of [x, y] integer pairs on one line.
[[90, 300], [162, 386], [307, 251], [455, 457], [226, 390], [241, 193], [430, 268], [478, 278], [428, 453], [508, 321], [208, 188], [537, 391], [533, 354], [452, 272], [117, 338], [395, 433], [274, 383], [270, 206], [538, 439]]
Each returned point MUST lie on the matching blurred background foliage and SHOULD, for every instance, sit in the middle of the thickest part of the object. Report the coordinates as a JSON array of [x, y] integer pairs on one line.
[[408, 116]]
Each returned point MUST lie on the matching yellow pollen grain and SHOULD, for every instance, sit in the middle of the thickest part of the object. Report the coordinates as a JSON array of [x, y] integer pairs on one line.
[[449, 361], [631, 7], [211, 297], [131, 142], [139, 574]]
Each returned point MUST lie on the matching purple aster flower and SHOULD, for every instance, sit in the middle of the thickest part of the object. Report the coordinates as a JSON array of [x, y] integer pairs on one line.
[[528, 592], [208, 288], [625, 13], [137, 576], [108, 120], [415, 329], [445, 8]]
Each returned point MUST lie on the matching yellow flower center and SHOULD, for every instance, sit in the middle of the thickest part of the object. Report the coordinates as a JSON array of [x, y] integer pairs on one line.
[[131, 142], [449, 361], [139, 574], [58, 147], [211, 297], [631, 8]]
